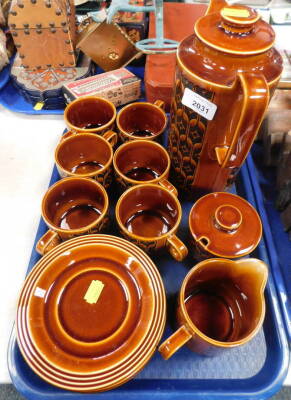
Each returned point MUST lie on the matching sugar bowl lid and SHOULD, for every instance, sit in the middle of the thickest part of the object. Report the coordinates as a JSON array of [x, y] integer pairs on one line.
[[225, 225], [236, 29]]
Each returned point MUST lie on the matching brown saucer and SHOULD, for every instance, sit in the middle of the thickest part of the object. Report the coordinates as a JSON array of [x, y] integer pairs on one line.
[[91, 313]]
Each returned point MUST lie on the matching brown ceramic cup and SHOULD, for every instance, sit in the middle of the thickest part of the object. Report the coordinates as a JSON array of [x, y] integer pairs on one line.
[[142, 161], [86, 155], [149, 216], [220, 306], [72, 207], [90, 114], [141, 120]]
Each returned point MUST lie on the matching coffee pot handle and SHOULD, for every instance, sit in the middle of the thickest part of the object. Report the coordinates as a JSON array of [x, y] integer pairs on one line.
[[174, 342], [215, 6], [255, 102]]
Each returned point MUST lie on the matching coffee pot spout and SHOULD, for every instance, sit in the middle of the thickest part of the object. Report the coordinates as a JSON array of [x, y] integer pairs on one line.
[[215, 6]]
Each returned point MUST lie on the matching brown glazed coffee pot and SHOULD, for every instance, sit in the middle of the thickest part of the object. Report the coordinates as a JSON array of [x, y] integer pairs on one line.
[[226, 72]]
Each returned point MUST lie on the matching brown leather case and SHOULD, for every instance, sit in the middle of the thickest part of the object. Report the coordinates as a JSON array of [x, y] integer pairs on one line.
[[179, 19], [43, 32], [107, 45]]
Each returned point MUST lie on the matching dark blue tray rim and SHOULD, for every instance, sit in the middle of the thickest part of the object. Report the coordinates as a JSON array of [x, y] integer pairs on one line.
[[4, 76], [261, 386], [274, 258], [27, 108]]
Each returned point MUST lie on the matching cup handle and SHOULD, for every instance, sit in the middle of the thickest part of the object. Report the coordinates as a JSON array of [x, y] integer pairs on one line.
[[47, 242], [174, 342], [167, 185], [111, 137], [177, 248], [160, 104], [67, 135]]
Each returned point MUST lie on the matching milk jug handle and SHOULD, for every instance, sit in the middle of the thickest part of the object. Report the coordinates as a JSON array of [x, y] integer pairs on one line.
[[174, 342], [215, 6], [254, 105]]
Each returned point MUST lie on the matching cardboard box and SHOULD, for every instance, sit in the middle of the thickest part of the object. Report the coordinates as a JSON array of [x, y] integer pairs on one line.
[[119, 86]]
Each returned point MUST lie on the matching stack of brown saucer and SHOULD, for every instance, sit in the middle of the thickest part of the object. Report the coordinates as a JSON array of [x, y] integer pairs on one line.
[[91, 313]]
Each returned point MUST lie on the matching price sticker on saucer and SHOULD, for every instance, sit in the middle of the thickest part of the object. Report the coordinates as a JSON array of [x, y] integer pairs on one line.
[[199, 104], [93, 292]]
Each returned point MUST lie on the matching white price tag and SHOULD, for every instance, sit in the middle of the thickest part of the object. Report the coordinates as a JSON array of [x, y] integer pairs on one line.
[[199, 104]]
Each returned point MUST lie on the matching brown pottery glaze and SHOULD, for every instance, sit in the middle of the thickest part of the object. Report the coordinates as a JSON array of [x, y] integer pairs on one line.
[[221, 305], [224, 225], [228, 64], [72, 207], [142, 161], [86, 155], [149, 216], [90, 114], [141, 120], [91, 313]]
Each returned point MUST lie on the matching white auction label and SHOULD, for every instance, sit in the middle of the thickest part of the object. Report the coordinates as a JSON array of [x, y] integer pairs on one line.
[[199, 104]]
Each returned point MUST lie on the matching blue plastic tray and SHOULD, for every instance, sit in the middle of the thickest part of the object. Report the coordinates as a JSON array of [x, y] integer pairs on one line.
[[4, 76], [11, 99], [254, 371], [278, 243]]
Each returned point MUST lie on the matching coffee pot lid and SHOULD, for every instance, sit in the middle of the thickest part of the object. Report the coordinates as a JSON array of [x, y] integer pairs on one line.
[[236, 29], [225, 225]]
